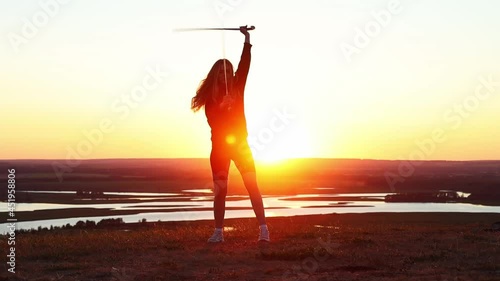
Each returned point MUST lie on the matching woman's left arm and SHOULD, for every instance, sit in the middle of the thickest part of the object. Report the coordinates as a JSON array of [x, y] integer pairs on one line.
[[244, 64], [244, 30]]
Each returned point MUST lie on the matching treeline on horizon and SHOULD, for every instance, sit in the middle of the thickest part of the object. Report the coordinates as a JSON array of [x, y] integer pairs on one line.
[[88, 224]]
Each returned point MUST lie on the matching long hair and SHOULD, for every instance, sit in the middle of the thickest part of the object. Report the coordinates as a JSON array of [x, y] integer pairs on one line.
[[209, 87]]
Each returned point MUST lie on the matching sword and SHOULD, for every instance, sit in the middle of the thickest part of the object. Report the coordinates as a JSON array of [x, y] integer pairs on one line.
[[212, 28]]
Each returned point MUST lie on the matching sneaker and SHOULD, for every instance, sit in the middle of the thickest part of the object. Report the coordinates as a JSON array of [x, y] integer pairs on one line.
[[264, 235], [217, 237]]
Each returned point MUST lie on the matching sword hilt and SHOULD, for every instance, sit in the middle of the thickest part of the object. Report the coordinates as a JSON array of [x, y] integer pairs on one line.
[[249, 27]]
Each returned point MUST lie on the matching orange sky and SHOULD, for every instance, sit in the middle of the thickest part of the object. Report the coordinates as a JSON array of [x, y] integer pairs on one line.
[[328, 79]]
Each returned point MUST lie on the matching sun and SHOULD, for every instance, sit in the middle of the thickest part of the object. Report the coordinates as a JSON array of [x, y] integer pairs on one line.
[[296, 144], [272, 159]]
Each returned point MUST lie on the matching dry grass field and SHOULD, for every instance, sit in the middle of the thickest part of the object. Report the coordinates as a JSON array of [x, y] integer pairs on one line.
[[381, 246]]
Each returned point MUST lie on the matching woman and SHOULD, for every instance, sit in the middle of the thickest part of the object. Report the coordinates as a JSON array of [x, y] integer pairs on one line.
[[222, 96]]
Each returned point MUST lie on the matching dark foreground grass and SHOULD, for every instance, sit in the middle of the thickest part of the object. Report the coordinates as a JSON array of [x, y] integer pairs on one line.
[[388, 246]]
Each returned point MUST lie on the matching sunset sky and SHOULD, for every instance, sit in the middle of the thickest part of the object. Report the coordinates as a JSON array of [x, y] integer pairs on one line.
[[329, 78]]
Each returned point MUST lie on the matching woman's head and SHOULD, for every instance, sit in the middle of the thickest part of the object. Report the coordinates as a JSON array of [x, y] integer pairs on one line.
[[223, 71], [219, 79]]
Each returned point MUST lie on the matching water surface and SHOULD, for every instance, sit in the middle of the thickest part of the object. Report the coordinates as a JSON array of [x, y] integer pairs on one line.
[[280, 206]]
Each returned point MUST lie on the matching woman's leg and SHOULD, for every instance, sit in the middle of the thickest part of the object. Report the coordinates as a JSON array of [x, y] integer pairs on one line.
[[220, 169], [220, 202], [243, 160], [250, 181]]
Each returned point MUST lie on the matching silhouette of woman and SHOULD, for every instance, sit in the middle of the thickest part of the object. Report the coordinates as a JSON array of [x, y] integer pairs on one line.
[[222, 96]]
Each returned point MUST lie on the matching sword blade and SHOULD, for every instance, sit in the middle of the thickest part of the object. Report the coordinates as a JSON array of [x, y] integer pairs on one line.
[[210, 28]]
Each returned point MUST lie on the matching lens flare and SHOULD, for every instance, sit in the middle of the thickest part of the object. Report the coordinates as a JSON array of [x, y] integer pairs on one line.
[[230, 139]]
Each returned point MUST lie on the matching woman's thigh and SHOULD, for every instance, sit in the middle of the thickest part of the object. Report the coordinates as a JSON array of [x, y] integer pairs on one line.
[[219, 162], [243, 158]]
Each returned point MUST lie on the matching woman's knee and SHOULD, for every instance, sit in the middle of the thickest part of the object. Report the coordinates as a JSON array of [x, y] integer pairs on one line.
[[220, 189]]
